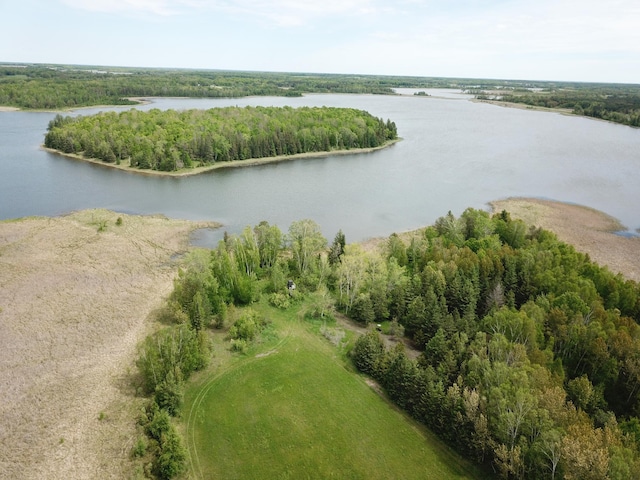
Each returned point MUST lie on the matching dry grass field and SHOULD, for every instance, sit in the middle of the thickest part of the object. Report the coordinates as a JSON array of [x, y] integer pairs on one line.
[[76, 293]]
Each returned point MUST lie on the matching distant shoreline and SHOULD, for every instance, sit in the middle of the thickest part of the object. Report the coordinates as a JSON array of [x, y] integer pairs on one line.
[[524, 106], [250, 162]]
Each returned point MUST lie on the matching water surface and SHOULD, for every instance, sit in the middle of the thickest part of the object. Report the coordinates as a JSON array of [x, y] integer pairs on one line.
[[454, 154]]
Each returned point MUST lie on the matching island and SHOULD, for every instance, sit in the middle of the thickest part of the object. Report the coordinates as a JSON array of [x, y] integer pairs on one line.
[[192, 141]]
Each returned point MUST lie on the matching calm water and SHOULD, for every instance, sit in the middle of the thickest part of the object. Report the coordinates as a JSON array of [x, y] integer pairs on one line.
[[455, 154]]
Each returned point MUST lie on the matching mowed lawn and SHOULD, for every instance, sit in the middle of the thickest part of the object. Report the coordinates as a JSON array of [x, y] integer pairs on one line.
[[298, 413]]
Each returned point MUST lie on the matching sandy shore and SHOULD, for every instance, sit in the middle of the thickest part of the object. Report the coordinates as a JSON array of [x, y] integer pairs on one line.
[[234, 164], [8, 109], [588, 230], [74, 303], [524, 106]]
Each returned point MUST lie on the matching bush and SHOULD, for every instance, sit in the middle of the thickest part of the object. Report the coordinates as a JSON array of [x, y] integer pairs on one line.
[[173, 456], [238, 345], [396, 329], [140, 448], [280, 300], [247, 326], [169, 395], [170, 455], [155, 422]]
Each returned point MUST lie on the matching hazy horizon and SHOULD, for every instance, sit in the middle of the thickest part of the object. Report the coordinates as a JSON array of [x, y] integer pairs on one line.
[[561, 40]]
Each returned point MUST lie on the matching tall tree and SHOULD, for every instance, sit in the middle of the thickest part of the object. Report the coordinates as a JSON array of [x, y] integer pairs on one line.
[[306, 242]]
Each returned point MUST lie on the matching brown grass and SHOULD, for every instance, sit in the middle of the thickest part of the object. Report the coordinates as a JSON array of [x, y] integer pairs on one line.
[[588, 230], [74, 303]]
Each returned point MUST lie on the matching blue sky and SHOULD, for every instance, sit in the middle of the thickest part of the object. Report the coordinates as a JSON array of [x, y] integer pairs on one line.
[[578, 40]]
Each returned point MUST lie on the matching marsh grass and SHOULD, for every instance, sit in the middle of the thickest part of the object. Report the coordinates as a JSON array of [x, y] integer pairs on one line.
[[74, 304]]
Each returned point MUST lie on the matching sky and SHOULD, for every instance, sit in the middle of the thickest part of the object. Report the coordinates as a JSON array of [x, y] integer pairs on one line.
[[562, 40]]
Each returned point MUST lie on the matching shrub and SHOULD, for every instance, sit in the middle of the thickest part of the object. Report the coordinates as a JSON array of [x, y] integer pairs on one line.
[[169, 454], [140, 447], [238, 345], [220, 318], [247, 326], [396, 329], [169, 394], [280, 300], [172, 459], [155, 422]]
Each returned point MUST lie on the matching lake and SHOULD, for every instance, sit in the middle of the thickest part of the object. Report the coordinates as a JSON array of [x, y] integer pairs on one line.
[[455, 154]]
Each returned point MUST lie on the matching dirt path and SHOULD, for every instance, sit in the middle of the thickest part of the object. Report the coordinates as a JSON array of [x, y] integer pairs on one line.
[[75, 294], [588, 230]]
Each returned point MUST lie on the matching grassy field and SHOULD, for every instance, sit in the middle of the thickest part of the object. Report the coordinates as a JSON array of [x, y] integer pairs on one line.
[[292, 408]]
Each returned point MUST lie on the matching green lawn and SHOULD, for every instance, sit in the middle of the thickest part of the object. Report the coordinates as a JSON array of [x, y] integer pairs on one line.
[[299, 413]]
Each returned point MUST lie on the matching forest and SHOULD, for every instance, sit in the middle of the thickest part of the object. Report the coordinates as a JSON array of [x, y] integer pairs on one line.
[[55, 87], [172, 140], [529, 353]]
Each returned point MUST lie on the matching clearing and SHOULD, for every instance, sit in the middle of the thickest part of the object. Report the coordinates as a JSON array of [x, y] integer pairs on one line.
[[293, 407]]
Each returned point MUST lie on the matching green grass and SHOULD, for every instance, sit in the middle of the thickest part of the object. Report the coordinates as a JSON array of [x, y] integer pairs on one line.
[[301, 412]]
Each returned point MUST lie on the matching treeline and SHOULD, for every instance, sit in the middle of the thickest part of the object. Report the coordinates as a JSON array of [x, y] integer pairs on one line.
[[42, 87], [530, 352], [171, 140], [619, 104], [63, 86]]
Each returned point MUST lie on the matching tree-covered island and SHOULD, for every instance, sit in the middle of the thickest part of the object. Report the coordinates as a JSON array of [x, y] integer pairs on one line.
[[173, 140]]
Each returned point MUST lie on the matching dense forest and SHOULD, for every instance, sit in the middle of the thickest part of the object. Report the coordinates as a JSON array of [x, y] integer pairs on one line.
[[529, 356], [171, 140], [615, 103]]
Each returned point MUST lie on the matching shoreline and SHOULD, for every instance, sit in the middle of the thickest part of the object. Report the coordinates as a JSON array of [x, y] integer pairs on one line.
[[524, 106], [588, 230], [250, 162], [533, 108]]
